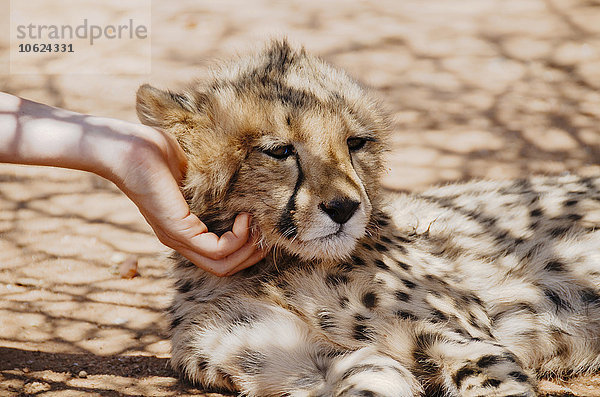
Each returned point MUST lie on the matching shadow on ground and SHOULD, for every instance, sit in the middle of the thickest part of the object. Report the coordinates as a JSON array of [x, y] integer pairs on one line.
[[476, 89]]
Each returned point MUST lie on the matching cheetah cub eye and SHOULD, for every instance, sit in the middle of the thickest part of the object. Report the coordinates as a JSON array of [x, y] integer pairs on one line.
[[280, 152], [357, 143]]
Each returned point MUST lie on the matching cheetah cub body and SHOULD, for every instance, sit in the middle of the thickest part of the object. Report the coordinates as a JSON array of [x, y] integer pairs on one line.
[[474, 289]]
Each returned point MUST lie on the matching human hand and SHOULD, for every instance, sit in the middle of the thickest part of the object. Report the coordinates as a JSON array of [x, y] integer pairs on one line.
[[146, 164], [149, 173]]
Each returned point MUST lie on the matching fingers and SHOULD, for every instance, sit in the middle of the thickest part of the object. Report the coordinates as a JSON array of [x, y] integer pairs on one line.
[[213, 246], [244, 257], [236, 238], [258, 255], [232, 252], [170, 217]]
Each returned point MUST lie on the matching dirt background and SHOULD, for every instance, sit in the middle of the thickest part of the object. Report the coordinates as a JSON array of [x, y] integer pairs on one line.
[[477, 88]]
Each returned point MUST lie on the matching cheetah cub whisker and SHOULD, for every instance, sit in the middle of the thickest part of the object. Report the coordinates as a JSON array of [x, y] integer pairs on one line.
[[473, 289]]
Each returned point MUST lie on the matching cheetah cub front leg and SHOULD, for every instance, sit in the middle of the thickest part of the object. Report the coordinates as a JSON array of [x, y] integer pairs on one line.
[[275, 353], [474, 368], [257, 349], [367, 372]]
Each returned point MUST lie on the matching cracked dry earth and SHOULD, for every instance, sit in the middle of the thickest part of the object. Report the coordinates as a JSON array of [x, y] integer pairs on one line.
[[477, 88]]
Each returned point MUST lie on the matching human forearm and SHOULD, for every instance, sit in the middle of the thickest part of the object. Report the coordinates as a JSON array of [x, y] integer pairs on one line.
[[37, 134]]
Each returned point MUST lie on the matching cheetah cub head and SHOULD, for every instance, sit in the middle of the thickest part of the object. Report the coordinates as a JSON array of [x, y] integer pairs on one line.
[[284, 136]]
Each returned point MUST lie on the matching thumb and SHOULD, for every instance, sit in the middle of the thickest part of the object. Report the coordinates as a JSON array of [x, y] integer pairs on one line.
[[174, 156]]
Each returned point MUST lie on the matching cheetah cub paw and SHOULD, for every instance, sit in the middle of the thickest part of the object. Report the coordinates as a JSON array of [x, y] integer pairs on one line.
[[368, 373]]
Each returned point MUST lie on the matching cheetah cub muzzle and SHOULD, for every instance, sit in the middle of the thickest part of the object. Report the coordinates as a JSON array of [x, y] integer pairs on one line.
[[474, 289]]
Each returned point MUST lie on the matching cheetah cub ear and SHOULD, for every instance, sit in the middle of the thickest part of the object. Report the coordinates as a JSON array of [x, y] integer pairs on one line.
[[174, 113], [162, 109], [189, 117]]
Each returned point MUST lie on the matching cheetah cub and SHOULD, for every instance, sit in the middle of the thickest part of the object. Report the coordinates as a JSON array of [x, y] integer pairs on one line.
[[473, 289]]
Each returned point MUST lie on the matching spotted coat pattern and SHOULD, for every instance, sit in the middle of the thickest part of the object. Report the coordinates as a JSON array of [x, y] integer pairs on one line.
[[474, 289]]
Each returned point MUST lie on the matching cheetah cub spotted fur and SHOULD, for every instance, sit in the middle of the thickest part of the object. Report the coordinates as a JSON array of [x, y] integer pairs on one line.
[[473, 289]]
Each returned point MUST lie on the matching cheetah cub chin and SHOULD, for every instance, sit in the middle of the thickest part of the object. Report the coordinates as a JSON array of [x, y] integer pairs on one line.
[[474, 289]]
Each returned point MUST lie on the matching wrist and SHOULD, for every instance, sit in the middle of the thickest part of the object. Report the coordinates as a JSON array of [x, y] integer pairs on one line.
[[38, 134], [114, 146], [129, 156]]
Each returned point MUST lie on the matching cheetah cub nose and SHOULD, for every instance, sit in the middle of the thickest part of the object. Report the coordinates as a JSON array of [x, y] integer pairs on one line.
[[340, 210]]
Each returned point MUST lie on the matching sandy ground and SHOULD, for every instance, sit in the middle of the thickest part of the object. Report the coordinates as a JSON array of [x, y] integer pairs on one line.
[[477, 88]]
